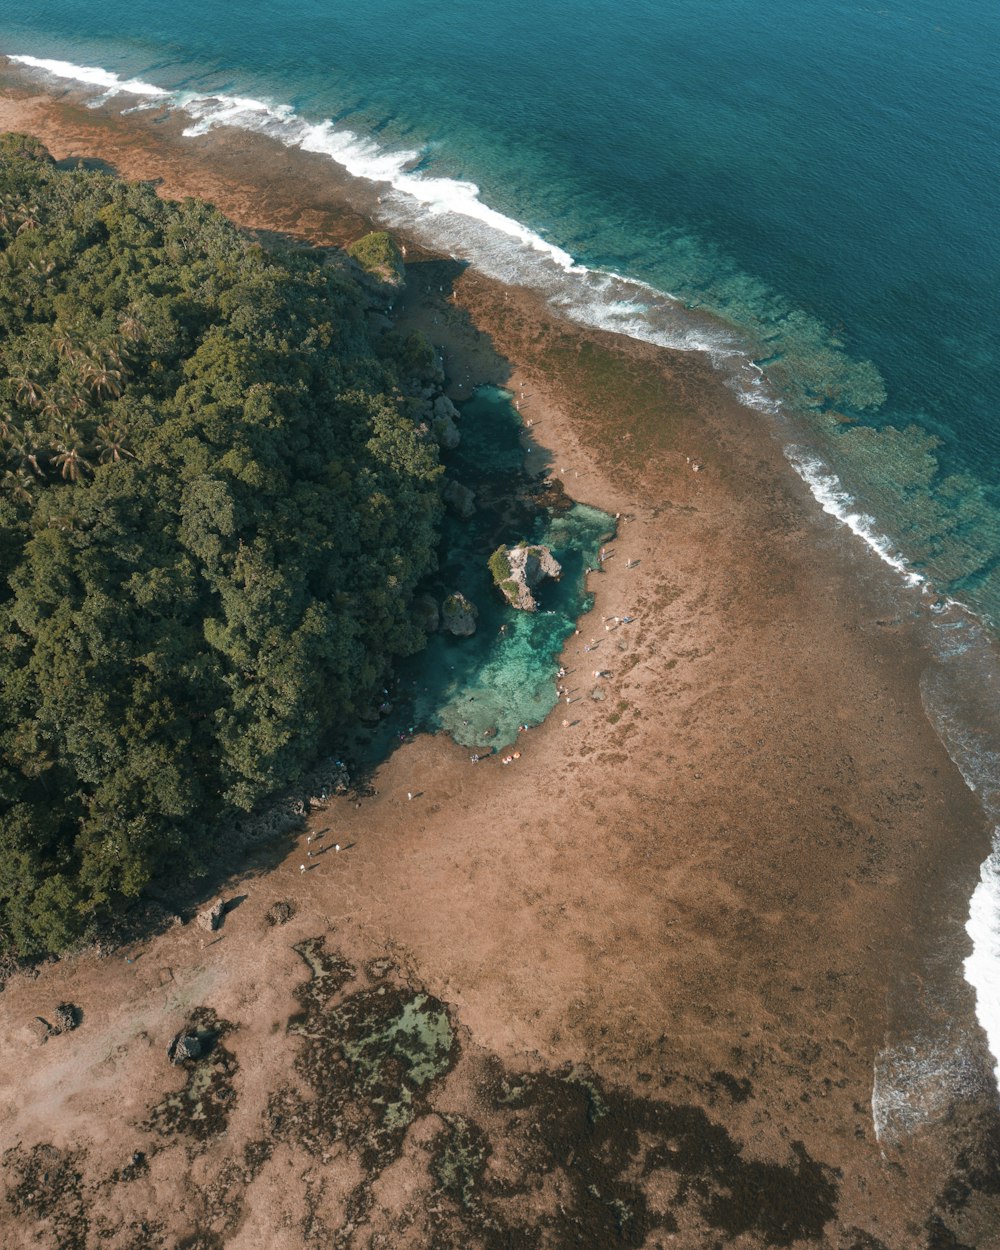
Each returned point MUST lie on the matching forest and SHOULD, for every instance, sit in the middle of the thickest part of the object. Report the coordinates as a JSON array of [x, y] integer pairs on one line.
[[215, 506]]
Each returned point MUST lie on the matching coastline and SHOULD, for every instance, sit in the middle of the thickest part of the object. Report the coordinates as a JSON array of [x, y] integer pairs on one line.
[[754, 870]]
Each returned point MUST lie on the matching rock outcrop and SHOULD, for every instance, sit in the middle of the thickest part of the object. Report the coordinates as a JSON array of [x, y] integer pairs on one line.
[[184, 1046], [280, 912], [518, 570], [211, 917], [67, 1017], [459, 615], [443, 424], [427, 613], [459, 498]]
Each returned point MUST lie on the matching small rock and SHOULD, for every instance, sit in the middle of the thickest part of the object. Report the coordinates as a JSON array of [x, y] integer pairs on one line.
[[39, 1030], [518, 570], [184, 1046], [279, 913], [445, 430], [67, 1017]]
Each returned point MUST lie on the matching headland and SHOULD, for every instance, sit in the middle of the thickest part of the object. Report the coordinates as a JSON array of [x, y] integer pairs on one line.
[[688, 974]]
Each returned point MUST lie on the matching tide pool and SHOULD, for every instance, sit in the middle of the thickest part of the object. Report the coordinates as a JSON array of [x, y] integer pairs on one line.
[[481, 688]]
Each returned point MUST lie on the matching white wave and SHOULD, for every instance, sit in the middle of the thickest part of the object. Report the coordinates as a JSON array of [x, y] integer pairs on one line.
[[93, 75], [834, 500], [982, 967], [960, 697]]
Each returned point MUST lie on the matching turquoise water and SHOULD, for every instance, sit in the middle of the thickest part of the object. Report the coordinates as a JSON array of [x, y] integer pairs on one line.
[[480, 689], [820, 176]]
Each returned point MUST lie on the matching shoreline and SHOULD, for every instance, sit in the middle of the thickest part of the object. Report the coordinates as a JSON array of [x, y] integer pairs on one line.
[[651, 892]]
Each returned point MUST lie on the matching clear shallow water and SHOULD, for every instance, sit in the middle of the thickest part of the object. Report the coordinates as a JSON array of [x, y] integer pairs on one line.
[[810, 184], [480, 689]]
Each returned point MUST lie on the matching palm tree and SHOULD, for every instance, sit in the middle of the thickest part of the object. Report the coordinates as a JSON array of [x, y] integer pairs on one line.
[[26, 446], [28, 391], [111, 443], [102, 378], [132, 327], [69, 458], [18, 485], [29, 218], [56, 405], [66, 349]]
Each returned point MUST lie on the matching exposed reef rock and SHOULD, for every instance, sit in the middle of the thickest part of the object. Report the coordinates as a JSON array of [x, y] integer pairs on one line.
[[184, 1046], [459, 615], [518, 570]]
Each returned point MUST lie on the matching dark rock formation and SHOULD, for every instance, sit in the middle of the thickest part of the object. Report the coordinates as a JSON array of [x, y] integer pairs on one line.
[[444, 427], [68, 1017], [459, 498], [459, 615], [279, 913], [184, 1046]]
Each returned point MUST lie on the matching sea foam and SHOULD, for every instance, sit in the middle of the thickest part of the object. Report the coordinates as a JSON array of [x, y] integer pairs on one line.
[[92, 74], [830, 494]]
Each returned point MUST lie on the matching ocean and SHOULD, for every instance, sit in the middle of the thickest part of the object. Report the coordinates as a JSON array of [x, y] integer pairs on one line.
[[806, 191]]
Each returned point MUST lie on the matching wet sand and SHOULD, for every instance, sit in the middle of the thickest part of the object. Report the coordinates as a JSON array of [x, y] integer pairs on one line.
[[672, 944]]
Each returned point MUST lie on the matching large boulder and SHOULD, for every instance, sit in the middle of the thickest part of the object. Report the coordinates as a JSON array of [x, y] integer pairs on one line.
[[443, 424], [459, 498], [459, 615], [427, 613], [518, 570], [211, 917]]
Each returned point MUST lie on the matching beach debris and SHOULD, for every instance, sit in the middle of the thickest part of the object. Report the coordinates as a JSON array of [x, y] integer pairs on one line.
[[185, 1046], [459, 615], [280, 912], [68, 1017], [211, 917], [598, 695], [518, 570]]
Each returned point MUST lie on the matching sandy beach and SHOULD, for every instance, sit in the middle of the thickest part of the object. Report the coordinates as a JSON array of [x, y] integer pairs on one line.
[[663, 963]]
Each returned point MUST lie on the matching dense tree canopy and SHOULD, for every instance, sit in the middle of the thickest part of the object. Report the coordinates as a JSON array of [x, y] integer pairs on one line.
[[213, 512]]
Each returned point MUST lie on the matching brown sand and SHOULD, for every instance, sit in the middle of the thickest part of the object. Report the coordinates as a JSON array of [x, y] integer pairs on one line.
[[696, 915]]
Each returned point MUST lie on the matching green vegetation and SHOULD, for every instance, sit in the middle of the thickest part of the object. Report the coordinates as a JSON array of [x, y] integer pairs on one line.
[[213, 514], [499, 565], [379, 255]]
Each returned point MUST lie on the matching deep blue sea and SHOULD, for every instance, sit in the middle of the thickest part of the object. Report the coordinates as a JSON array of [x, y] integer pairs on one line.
[[806, 189]]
